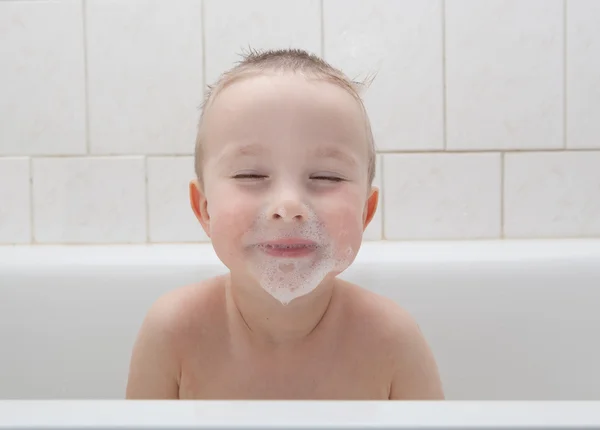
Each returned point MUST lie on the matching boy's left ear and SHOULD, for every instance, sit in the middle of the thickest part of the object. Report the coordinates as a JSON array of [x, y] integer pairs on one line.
[[370, 207], [199, 205]]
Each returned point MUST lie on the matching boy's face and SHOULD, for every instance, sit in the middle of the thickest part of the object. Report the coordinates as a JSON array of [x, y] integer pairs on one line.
[[285, 196]]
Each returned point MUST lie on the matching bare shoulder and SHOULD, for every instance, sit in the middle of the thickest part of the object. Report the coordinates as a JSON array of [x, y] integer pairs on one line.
[[400, 342], [180, 313], [386, 319], [155, 366]]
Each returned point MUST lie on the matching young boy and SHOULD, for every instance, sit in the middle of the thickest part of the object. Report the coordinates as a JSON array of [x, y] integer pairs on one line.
[[284, 163]]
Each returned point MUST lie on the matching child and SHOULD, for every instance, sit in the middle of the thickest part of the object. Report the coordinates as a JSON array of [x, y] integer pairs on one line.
[[284, 163]]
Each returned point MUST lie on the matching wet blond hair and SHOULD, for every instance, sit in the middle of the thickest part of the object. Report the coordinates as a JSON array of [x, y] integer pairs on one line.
[[283, 60]]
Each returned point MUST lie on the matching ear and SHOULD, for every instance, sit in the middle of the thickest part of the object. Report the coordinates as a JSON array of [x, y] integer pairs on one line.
[[200, 205], [370, 207]]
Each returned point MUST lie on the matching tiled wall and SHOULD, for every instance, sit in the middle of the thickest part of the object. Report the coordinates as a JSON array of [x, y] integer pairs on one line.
[[486, 113]]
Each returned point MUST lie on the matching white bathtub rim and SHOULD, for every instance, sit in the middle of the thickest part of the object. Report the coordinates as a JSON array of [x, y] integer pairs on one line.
[[370, 253], [297, 414]]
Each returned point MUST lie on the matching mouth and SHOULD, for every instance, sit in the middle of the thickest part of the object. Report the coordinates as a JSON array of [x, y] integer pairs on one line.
[[288, 248]]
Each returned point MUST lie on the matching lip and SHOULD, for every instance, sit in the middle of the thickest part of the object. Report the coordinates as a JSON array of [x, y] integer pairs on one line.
[[288, 248]]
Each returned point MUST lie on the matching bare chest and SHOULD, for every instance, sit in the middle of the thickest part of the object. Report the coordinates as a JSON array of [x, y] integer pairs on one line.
[[338, 374]]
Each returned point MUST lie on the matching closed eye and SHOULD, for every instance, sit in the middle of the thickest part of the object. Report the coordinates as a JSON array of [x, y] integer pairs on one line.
[[328, 178], [249, 176]]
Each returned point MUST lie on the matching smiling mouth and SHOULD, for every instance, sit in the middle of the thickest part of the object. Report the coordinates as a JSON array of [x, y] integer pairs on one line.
[[288, 248]]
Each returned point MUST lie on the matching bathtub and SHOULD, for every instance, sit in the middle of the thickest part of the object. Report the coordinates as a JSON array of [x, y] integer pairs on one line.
[[305, 415], [507, 320]]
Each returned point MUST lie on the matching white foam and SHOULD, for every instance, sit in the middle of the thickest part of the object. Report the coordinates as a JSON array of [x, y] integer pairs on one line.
[[286, 279]]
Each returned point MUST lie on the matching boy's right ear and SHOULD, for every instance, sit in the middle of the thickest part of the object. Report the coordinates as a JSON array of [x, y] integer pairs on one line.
[[200, 205]]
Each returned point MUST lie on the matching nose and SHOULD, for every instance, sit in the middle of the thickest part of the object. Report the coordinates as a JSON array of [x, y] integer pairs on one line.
[[289, 210]]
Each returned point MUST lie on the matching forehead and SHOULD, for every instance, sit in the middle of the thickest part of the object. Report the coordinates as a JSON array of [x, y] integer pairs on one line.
[[283, 107]]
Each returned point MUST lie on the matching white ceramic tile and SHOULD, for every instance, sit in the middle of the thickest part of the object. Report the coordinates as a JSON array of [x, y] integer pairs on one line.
[[89, 200], [504, 74], [441, 196], [15, 220], [400, 41], [374, 231], [553, 194], [42, 89], [170, 215], [231, 26], [583, 74], [144, 74]]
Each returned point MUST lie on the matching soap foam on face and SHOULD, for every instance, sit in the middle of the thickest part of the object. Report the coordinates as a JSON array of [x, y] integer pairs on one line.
[[287, 278]]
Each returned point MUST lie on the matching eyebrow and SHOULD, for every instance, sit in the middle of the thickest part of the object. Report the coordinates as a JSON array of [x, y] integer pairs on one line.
[[337, 153], [247, 149], [250, 149], [255, 149]]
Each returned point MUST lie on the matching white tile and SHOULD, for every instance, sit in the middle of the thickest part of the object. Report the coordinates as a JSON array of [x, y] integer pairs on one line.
[[145, 75], [374, 231], [231, 26], [15, 219], [504, 74], [42, 88], [401, 41], [441, 196], [583, 74], [169, 212], [89, 200], [553, 194]]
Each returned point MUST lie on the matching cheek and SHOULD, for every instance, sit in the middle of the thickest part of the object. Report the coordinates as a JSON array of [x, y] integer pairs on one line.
[[343, 217], [231, 217]]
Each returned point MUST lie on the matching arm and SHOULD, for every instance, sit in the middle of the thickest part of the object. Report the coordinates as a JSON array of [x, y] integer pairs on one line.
[[416, 375], [154, 368]]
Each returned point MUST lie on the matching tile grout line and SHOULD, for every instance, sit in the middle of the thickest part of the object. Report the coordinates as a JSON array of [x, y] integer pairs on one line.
[[381, 176], [444, 95], [565, 70], [502, 187], [86, 77], [31, 206], [398, 152], [147, 200], [322, 30], [98, 155], [203, 45], [593, 237]]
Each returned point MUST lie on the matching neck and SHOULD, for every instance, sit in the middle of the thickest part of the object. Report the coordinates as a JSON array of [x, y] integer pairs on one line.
[[267, 320]]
